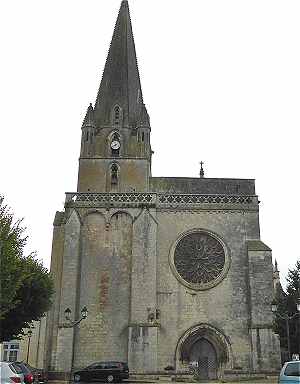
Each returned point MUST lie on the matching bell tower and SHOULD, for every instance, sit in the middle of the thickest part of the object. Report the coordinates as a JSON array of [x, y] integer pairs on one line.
[[115, 147]]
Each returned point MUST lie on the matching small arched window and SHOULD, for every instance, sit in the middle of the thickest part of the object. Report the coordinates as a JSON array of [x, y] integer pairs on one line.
[[117, 115], [114, 174]]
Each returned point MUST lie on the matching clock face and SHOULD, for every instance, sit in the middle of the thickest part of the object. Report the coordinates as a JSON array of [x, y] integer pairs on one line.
[[115, 144]]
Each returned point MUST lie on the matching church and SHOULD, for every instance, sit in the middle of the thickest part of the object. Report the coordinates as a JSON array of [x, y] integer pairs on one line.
[[171, 270]]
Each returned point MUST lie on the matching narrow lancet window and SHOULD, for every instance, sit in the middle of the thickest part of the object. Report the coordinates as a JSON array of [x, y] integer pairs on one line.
[[114, 175], [117, 115]]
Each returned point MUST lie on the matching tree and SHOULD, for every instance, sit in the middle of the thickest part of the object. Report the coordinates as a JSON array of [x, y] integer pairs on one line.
[[26, 286], [12, 244], [287, 307], [293, 294]]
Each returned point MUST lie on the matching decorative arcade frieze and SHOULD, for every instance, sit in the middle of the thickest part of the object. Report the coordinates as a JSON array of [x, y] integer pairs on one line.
[[160, 200]]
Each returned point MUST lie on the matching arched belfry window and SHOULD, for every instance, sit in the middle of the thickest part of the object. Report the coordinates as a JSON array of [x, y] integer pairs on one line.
[[117, 115]]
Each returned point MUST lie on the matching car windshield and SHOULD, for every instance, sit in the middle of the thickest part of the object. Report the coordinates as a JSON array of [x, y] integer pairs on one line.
[[293, 369], [16, 368]]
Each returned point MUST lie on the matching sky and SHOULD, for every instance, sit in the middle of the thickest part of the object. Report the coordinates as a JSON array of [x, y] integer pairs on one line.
[[220, 80]]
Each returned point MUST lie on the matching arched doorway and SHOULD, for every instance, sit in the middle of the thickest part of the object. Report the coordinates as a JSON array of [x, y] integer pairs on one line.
[[205, 348], [204, 356]]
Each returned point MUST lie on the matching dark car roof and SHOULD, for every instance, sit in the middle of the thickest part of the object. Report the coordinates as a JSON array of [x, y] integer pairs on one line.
[[108, 361]]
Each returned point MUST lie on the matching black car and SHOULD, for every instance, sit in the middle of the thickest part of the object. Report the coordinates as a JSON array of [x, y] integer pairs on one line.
[[103, 371]]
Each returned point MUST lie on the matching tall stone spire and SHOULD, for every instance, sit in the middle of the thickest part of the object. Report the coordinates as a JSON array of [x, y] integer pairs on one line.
[[120, 83]]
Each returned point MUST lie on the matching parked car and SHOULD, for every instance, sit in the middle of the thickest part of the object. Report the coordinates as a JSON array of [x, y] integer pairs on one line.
[[38, 374], [28, 375], [103, 371], [10, 373], [290, 373]]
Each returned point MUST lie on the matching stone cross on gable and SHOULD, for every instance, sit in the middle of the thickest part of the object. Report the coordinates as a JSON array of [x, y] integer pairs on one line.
[[201, 170]]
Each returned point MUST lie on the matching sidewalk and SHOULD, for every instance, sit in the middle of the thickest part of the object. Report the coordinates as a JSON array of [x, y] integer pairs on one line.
[[269, 380], [162, 380]]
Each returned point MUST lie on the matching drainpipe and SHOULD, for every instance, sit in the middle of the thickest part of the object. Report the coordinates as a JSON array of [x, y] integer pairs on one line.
[[38, 345]]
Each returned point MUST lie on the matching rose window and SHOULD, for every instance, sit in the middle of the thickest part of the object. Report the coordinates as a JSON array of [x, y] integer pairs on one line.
[[200, 260]]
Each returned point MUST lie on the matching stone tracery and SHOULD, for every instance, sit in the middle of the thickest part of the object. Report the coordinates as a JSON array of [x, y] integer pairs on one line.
[[199, 258]]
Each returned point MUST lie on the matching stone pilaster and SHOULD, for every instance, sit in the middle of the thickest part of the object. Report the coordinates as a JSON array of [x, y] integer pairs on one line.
[[142, 343], [69, 287], [142, 351], [56, 272]]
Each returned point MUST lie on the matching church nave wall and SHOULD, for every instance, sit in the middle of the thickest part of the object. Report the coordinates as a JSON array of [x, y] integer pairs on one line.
[[225, 305], [105, 283]]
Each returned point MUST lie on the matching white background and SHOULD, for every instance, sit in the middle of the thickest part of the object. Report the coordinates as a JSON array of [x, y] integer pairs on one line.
[[220, 79]]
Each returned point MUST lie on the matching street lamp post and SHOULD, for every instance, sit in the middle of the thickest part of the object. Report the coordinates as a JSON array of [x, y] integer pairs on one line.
[[29, 334], [286, 318], [72, 323]]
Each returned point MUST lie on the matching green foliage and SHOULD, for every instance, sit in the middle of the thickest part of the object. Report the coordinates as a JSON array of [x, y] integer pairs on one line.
[[287, 307], [293, 280], [12, 243], [26, 286]]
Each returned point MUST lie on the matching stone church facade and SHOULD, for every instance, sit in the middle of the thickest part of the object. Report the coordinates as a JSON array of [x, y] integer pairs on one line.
[[171, 270]]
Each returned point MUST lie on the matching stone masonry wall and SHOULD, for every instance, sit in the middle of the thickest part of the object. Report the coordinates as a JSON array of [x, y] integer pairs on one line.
[[118, 264], [224, 306], [94, 175], [105, 283]]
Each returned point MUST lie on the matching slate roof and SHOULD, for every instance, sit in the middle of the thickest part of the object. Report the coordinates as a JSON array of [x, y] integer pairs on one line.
[[202, 185], [257, 245]]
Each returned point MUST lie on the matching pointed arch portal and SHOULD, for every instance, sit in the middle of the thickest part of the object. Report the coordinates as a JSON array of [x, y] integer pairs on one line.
[[206, 348]]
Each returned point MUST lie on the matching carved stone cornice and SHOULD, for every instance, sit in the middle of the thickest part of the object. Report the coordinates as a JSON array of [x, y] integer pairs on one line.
[[161, 201]]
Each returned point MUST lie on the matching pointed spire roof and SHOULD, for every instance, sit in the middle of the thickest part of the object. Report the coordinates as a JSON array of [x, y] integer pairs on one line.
[[144, 119], [120, 81], [89, 117]]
